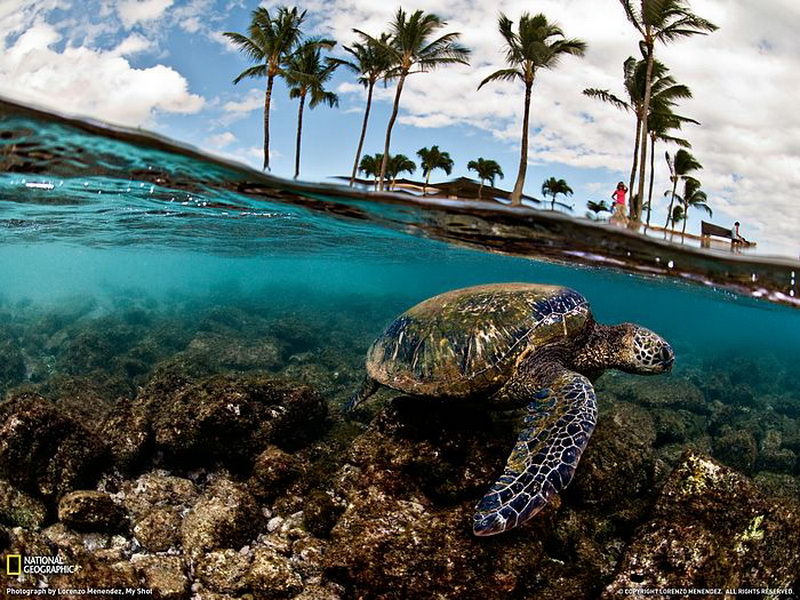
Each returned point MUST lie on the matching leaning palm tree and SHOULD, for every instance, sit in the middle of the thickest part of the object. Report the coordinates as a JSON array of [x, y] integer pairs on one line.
[[693, 197], [658, 21], [431, 159], [370, 165], [370, 63], [680, 167], [487, 170], [410, 49], [554, 187], [537, 44], [269, 42], [306, 74], [398, 163]]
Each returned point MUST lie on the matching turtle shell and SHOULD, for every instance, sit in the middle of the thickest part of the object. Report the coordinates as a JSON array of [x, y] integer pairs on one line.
[[469, 341]]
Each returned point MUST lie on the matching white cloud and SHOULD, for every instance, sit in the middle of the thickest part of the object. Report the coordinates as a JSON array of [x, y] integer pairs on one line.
[[221, 140], [82, 80], [132, 12]]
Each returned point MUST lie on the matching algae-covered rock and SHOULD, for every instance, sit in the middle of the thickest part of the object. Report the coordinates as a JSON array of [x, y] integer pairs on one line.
[[711, 528], [229, 419], [271, 575], [273, 471], [88, 510], [43, 450], [664, 392], [225, 516], [12, 361], [18, 509], [163, 575], [159, 530], [223, 571]]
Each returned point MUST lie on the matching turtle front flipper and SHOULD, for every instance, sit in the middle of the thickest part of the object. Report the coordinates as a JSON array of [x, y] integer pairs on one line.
[[560, 419]]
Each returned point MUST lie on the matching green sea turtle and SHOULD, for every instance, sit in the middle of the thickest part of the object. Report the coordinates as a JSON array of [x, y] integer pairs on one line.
[[508, 345]]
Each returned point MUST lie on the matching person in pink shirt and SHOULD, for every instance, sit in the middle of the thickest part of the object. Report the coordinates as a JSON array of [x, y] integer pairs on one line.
[[618, 197]]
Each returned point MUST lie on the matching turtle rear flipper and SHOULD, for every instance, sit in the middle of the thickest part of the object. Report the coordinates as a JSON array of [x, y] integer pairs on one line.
[[368, 387], [560, 421]]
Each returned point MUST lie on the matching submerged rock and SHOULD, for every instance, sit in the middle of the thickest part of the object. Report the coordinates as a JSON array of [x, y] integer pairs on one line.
[[45, 451], [711, 528], [229, 419], [18, 509], [87, 510]]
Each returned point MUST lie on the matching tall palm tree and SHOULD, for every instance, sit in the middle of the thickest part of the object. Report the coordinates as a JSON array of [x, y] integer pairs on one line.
[[370, 63], [431, 159], [554, 187], [306, 74], [658, 21], [399, 163], [269, 42], [411, 50], [680, 167], [537, 44], [665, 93], [693, 197], [661, 123], [487, 170]]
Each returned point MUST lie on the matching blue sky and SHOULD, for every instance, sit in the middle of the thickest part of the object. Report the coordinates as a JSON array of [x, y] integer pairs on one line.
[[163, 65]]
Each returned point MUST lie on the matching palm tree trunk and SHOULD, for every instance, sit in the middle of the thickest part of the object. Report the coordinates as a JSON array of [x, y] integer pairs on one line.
[[267, 102], [637, 209], [299, 135], [635, 163], [427, 183], [516, 195], [363, 133], [480, 190], [685, 218], [671, 203], [652, 178], [392, 119]]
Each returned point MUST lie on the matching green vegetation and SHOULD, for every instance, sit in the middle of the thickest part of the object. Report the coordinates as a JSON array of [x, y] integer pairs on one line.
[[270, 42], [370, 63], [306, 74], [410, 46], [537, 44], [680, 166], [553, 187], [431, 159], [486, 170], [661, 21]]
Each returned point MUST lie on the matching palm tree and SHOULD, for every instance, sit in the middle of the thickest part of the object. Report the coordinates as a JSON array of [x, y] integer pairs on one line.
[[597, 207], [370, 63], [537, 44], [658, 21], [370, 165], [410, 47], [660, 123], [554, 187], [399, 163], [431, 159], [269, 41], [680, 166], [664, 91], [486, 170], [693, 196], [306, 74]]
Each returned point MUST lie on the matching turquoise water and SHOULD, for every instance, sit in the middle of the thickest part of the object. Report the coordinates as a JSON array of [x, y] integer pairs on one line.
[[115, 218]]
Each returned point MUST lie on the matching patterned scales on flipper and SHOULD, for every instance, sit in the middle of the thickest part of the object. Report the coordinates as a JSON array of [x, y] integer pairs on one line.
[[557, 428]]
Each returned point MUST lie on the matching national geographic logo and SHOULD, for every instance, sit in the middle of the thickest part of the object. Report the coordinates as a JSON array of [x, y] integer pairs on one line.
[[16, 564]]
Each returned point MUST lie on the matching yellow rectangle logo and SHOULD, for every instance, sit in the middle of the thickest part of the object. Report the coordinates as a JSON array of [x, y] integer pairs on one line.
[[14, 564]]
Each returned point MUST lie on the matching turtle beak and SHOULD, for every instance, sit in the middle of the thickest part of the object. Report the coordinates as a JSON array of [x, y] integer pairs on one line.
[[667, 358]]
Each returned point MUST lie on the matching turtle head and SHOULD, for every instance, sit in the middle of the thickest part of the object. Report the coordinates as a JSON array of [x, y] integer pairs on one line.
[[641, 351]]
